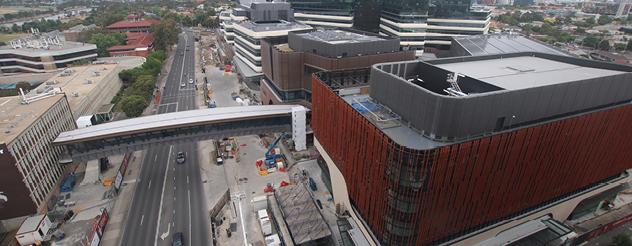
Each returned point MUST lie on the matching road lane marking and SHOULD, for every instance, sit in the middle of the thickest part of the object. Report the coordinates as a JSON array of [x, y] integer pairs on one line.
[[187, 179], [141, 219], [162, 196], [189, 194], [156, 158], [149, 186]]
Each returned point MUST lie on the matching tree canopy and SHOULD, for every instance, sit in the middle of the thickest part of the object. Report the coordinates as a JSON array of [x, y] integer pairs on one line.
[[133, 106], [106, 40]]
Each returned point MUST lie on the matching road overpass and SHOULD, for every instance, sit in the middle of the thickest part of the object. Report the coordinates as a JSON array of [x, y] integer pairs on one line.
[[139, 133]]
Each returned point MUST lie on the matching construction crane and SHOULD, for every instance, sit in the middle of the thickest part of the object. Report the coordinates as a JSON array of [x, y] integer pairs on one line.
[[270, 158]]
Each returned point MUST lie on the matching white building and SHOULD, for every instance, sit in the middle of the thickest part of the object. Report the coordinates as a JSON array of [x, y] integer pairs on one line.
[[248, 37], [33, 230], [325, 20], [228, 19], [420, 31], [43, 54]]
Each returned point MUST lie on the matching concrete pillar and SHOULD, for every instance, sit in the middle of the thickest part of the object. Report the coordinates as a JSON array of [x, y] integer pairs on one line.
[[298, 128]]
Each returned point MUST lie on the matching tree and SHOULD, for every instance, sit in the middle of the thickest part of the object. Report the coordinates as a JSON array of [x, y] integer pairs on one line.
[[629, 47], [604, 45], [165, 34], [133, 106], [591, 21], [143, 87], [152, 65], [105, 41], [591, 41], [603, 19], [620, 46], [621, 240]]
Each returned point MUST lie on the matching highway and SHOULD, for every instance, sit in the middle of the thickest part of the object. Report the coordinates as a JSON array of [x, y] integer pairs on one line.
[[169, 196]]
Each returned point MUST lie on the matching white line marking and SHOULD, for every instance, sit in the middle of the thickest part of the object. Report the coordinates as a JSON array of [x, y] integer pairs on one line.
[[183, 59], [141, 219], [156, 158], [189, 194], [187, 179], [162, 196], [149, 186]]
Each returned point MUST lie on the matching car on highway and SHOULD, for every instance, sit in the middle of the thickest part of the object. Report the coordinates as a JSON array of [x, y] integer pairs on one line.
[[190, 81], [180, 157], [178, 239]]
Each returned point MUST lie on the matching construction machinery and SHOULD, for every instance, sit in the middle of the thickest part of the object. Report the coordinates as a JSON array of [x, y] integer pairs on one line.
[[273, 155]]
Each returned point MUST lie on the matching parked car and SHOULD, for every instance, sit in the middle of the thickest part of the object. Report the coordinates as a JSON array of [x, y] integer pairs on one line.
[[180, 157], [190, 81], [183, 84]]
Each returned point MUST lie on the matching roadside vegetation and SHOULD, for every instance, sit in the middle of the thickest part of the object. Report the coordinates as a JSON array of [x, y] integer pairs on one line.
[[139, 85]]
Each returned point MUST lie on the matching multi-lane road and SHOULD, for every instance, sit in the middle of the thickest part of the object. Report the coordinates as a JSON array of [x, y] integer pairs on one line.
[[169, 196]]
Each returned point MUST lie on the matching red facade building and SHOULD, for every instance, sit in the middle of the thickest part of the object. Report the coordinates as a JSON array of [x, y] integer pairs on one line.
[[423, 166], [138, 44]]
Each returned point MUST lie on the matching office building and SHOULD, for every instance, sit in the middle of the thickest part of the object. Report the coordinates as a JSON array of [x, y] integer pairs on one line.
[[88, 88], [288, 67], [271, 21], [324, 13], [430, 25], [30, 164], [43, 53], [455, 151], [228, 18]]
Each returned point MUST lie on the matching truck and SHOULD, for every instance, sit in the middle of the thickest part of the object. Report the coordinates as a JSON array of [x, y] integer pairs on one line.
[[264, 222]]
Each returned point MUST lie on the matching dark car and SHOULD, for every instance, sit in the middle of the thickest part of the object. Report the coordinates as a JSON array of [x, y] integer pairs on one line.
[[180, 157], [178, 239]]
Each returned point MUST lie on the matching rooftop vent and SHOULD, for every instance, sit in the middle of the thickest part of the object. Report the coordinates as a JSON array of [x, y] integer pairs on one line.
[[75, 94]]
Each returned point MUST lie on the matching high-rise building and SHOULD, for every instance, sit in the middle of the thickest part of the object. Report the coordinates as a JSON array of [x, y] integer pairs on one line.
[[30, 164], [288, 67], [458, 150], [326, 13], [421, 24], [272, 21], [228, 18]]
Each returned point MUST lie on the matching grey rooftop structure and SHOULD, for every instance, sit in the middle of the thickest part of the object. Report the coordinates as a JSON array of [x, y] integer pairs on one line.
[[281, 25], [341, 43], [303, 218], [410, 101], [523, 72], [332, 36], [491, 44]]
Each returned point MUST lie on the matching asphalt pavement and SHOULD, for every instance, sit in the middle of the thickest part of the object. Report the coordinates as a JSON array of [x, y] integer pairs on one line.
[[169, 196]]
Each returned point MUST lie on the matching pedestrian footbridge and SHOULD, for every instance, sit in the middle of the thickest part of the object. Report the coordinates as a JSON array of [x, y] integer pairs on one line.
[[139, 133]]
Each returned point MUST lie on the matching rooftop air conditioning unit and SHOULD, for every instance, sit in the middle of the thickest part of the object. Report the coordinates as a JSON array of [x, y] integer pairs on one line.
[[75, 94]]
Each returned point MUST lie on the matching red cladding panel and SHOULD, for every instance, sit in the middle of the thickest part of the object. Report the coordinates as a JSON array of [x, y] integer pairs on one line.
[[420, 197]]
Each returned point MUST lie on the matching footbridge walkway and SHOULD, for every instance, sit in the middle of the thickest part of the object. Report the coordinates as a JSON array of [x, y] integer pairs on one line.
[[139, 133]]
